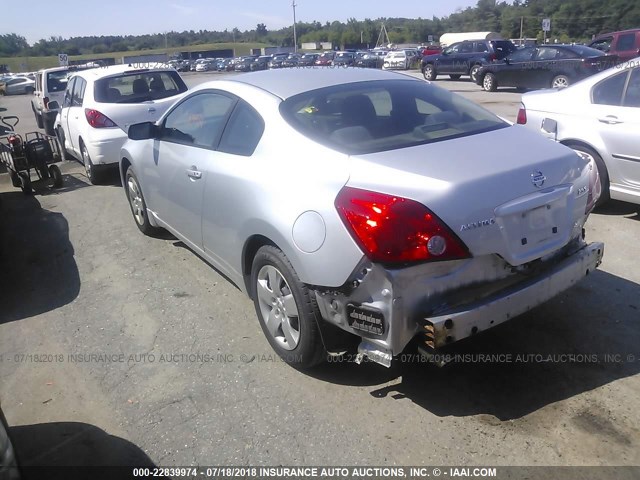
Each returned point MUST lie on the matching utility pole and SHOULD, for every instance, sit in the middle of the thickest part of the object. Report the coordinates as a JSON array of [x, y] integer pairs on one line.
[[521, 30], [295, 38]]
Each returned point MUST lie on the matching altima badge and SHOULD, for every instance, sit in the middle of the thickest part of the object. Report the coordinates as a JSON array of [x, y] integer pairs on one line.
[[538, 179]]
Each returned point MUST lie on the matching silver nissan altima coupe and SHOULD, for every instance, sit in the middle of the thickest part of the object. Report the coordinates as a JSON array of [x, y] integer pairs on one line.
[[363, 205]]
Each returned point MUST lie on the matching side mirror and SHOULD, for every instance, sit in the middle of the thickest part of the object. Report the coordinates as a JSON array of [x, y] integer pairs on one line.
[[142, 131], [54, 105]]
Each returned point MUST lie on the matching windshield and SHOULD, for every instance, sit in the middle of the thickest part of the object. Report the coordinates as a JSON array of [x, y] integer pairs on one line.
[[375, 116], [139, 87]]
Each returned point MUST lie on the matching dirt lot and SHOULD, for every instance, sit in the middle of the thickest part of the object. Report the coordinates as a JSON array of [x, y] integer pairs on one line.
[[118, 348]]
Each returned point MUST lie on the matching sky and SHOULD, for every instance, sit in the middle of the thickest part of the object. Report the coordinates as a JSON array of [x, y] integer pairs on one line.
[[73, 18]]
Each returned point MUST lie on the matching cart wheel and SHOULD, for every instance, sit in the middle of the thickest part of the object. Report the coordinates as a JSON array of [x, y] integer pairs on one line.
[[56, 174], [25, 183], [15, 179]]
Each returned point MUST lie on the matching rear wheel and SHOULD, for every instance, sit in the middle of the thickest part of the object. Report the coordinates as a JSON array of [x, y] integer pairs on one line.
[[286, 309], [93, 173], [602, 170], [15, 179], [489, 82], [39, 120], [429, 72], [560, 81]]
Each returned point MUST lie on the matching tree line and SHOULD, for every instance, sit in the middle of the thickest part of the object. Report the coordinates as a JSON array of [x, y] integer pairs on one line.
[[571, 20]]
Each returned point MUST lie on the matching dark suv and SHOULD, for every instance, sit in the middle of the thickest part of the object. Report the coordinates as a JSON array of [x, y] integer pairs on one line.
[[465, 58]]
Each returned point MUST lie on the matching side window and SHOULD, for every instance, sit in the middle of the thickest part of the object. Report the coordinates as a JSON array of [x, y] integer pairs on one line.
[[632, 95], [564, 54], [547, 53], [604, 44], [455, 48], [78, 92], [243, 132], [68, 93], [609, 91], [466, 47], [524, 55], [481, 47], [199, 120], [626, 42]]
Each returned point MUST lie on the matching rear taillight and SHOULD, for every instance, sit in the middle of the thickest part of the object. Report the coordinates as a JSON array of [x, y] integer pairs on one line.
[[396, 230], [97, 119], [522, 116], [45, 102]]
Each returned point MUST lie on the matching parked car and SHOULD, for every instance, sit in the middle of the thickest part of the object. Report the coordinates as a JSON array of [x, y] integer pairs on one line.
[[600, 118], [308, 59], [206, 66], [224, 65], [277, 60], [325, 59], [415, 226], [291, 61], [430, 49], [465, 58], [544, 66], [261, 63], [17, 86], [344, 59], [244, 64], [49, 87], [100, 104], [625, 44], [400, 59], [371, 59]]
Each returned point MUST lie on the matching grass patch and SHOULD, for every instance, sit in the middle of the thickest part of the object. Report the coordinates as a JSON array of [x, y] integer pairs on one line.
[[30, 64]]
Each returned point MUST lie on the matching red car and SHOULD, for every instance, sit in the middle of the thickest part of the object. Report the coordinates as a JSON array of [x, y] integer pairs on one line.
[[325, 59], [430, 50]]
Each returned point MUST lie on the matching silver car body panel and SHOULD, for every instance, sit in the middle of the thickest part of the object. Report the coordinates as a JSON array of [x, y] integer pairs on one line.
[[612, 131], [488, 189]]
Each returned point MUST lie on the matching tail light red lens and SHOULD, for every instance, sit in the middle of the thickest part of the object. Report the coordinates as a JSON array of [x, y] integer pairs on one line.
[[97, 119], [395, 230], [522, 116]]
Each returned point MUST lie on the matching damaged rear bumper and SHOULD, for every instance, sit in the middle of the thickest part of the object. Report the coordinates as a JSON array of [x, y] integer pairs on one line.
[[446, 302]]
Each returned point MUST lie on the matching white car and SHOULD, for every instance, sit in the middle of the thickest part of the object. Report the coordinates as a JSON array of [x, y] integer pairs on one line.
[[599, 117], [100, 104], [400, 59]]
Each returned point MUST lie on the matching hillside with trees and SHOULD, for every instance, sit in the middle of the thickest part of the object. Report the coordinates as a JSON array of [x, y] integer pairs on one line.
[[571, 20]]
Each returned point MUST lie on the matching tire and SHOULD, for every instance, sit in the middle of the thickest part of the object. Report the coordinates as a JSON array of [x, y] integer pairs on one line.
[[560, 81], [294, 334], [61, 140], [56, 174], [49, 129], [137, 204], [15, 179], [489, 82], [39, 121], [455, 77], [602, 170], [25, 183], [429, 72], [473, 73], [93, 173]]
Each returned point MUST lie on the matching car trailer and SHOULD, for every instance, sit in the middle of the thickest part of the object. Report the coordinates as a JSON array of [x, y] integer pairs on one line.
[[35, 151]]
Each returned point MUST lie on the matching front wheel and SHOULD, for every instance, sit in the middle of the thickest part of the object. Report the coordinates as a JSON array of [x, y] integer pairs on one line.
[[489, 82], [39, 121], [473, 73], [429, 72], [286, 309], [138, 204]]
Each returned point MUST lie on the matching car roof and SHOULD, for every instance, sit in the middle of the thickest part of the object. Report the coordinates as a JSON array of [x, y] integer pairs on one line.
[[287, 83], [101, 72]]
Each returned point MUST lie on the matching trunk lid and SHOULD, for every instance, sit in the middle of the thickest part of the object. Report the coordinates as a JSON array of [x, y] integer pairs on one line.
[[507, 192]]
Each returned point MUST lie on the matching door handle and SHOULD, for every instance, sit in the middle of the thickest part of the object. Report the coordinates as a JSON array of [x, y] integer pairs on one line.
[[610, 119], [194, 173]]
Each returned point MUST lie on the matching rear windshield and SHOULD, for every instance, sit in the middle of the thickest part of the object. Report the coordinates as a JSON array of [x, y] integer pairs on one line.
[[585, 51], [503, 48], [375, 116], [57, 81], [138, 87]]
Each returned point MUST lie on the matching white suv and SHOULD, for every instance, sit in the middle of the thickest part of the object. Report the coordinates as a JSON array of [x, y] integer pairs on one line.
[[50, 86], [100, 104]]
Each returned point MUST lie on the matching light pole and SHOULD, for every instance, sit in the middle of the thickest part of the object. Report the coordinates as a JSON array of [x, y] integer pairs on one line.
[[295, 38]]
